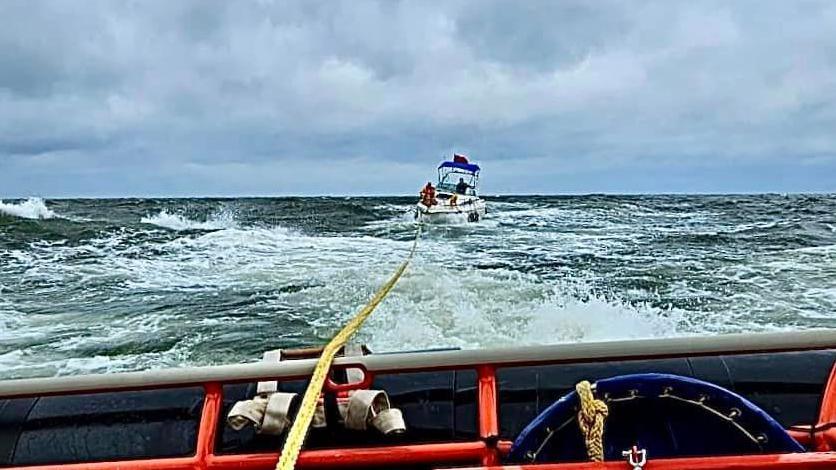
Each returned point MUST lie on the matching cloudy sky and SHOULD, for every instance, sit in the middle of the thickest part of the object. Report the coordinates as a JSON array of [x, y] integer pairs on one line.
[[113, 98]]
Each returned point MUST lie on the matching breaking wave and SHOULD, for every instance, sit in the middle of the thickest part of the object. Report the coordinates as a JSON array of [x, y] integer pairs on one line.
[[32, 208], [493, 308], [174, 221]]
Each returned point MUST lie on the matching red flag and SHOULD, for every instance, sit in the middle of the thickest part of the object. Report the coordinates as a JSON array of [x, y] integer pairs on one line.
[[459, 158]]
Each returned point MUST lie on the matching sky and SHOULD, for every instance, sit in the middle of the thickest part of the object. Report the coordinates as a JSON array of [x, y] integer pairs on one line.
[[199, 97]]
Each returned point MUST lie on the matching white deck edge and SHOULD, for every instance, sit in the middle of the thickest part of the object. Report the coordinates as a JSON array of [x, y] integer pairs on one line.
[[576, 352]]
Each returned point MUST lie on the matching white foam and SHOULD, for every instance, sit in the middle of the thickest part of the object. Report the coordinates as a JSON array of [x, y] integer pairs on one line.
[[255, 256], [442, 301], [24, 364], [174, 221], [437, 307], [32, 208], [447, 219], [306, 287]]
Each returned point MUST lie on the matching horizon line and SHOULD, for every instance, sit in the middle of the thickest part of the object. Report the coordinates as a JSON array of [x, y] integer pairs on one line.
[[390, 195]]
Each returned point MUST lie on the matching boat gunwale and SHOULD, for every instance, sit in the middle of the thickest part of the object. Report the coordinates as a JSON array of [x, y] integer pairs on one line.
[[401, 362]]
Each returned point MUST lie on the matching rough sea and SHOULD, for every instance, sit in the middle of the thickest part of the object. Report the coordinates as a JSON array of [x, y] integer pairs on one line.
[[128, 284]]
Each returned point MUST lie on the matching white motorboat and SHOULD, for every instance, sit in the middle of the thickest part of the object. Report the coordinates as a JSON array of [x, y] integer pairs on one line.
[[454, 197]]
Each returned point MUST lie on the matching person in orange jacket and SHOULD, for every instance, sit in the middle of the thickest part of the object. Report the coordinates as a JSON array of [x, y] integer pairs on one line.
[[428, 195]]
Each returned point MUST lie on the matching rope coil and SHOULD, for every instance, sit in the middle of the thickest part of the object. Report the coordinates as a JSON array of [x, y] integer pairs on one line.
[[591, 417], [299, 430]]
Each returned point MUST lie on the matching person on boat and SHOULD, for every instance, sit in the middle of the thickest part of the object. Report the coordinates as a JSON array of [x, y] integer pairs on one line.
[[462, 187], [428, 195]]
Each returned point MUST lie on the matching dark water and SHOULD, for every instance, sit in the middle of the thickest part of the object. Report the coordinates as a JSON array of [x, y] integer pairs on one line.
[[103, 285]]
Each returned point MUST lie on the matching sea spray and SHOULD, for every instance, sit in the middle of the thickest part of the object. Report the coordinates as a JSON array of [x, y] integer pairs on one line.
[[32, 208]]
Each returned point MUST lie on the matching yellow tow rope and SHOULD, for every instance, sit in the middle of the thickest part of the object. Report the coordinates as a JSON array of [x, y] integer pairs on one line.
[[297, 434]]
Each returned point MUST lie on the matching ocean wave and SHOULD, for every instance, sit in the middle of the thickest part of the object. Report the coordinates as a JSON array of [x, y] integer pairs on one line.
[[475, 309], [173, 221], [33, 208], [224, 280]]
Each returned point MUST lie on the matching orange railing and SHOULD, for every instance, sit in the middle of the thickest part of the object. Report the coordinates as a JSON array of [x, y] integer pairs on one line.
[[486, 452]]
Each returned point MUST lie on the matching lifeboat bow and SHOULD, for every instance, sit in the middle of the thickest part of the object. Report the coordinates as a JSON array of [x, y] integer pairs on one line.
[[664, 415]]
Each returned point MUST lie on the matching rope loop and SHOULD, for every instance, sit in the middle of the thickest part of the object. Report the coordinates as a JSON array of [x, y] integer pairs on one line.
[[591, 417]]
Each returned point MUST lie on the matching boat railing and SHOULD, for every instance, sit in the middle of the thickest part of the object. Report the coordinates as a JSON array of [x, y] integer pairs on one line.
[[688, 346], [481, 384]]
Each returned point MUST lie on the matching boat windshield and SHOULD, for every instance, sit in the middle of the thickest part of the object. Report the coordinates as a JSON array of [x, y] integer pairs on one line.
[[449, 179]]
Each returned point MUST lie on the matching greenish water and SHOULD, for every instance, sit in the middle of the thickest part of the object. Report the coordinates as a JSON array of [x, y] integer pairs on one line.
[[126, 284]]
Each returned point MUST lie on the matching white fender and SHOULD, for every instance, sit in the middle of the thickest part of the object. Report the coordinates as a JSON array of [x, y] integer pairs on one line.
[[372, 407]]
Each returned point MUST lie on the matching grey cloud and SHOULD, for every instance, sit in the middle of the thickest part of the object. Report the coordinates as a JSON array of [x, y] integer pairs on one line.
[[155, 91], [542, 34]]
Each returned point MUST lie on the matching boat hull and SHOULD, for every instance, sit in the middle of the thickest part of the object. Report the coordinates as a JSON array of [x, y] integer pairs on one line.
[[470, 209]]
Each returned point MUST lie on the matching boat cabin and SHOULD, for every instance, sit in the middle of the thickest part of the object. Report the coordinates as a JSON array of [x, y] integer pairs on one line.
[[451, 172]]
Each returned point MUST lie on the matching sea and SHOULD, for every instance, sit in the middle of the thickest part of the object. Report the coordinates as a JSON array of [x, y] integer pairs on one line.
[[105, 285]]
